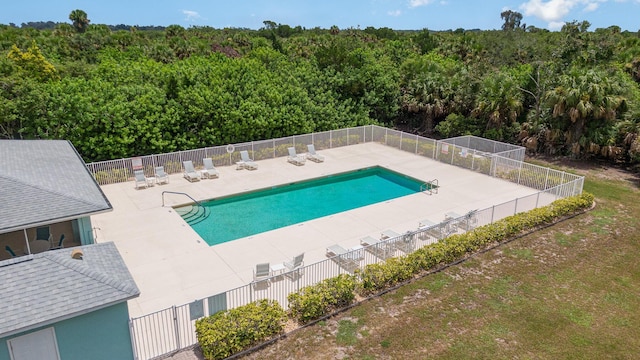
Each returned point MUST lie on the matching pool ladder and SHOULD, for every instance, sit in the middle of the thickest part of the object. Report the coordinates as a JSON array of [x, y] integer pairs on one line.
[[430, 187], [191, 217]]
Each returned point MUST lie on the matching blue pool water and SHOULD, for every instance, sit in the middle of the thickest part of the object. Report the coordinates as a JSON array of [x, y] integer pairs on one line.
[[251, 213]]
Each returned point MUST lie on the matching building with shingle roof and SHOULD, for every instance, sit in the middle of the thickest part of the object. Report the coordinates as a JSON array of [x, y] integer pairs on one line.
[[51, 286], [45, 183], [68, 303], [45, 180]]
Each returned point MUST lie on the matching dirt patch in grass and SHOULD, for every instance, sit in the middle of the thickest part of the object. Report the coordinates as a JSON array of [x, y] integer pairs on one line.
[[562, 292]]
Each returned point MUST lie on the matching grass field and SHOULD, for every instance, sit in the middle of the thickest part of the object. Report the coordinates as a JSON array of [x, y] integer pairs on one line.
[[570, 291]]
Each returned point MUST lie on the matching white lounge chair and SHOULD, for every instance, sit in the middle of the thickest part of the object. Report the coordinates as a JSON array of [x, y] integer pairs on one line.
[[190, 172], [247, 162], [161, 176], [295, 263], [294, 158], [387, 234], [468, 221], [141, 180], [348, 259], [405, 243], [429, 228], [293, 268], [262, 274], [452, 215], [209, 171], [377, 247], [313, 155]]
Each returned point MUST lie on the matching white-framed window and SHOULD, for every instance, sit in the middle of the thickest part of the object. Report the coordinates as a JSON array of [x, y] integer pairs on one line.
[[40, 345]]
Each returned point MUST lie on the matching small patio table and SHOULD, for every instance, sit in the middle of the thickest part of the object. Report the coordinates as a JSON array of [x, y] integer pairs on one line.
[[37, 246]]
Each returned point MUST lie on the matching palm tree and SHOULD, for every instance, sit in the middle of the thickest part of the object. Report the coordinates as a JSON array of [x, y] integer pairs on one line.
[[500, 103], [585, 104], [433, 87], [80, 20]]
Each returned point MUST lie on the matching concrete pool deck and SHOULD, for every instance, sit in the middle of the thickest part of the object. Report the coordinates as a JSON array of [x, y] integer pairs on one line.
[[172, 265]]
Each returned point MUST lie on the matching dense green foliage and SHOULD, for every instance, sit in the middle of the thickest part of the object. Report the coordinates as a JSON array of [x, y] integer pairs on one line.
[[135, 92], [312, 302], [229, 332]]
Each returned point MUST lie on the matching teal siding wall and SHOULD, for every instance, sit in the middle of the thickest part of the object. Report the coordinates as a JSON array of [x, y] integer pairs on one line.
[[100, 335], [4, 351], [82, 230]]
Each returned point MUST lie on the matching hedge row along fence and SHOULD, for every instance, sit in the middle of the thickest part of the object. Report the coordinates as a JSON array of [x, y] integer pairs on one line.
[[231, 332]]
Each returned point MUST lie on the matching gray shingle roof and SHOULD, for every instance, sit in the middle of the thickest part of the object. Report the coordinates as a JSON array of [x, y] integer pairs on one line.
[[51, 286], [42, 181]]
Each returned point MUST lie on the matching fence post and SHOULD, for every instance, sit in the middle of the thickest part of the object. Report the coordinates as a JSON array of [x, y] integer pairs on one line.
[[435, 152], [134, 348], [492, 168], [175, 324], [493, 210], [546, 180], [417, 141], [473, 157], [124, 166], [537, 199], [453, 152], [515, 208]]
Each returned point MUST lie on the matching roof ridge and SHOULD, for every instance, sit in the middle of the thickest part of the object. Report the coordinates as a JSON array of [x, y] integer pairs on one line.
[[81, 267], [50, 191]]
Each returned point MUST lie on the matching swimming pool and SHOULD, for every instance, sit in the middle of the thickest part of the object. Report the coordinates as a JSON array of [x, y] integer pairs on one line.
[[247, 214]]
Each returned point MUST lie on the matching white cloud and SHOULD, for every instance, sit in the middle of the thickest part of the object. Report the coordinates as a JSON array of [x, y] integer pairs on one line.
[[553, 11], [191, 15], [591, 7], [394, 13], [556, 25], [417, 3]]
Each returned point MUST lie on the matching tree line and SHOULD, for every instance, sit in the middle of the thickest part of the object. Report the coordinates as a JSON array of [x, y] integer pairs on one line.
[[128, 92]]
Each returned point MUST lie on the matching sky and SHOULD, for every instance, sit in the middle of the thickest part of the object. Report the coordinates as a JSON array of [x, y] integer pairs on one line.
[[395, 14]]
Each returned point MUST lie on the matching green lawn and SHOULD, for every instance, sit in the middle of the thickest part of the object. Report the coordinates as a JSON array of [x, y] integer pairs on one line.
[[571, 291]]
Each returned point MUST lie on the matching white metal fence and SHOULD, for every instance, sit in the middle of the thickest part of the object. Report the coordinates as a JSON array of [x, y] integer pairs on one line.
[[467, 151], [121, 170], [167, 331], [172, 329]]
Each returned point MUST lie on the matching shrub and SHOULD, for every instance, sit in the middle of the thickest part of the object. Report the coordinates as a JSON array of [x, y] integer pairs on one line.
[[112, 176], [226, 333], [312, 302], [377, 277]]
